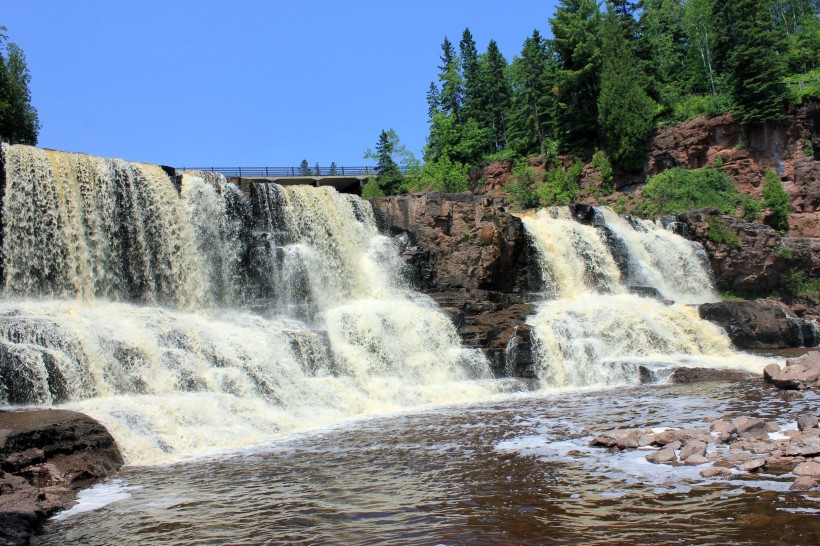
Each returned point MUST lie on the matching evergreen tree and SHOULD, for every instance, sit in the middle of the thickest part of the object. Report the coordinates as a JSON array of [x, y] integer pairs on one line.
[[433, 101], [494, 95], [450, 78], [531, 115], [304, 168], [662, 46], [469, 74], [625, 111], [751, 52], [333, 171], [699, 30], [575, 28], [18, 118], [777, 200]]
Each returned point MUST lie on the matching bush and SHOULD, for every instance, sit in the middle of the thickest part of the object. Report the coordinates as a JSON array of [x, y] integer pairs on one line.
[[371, 189], [777, 200], [795, 283], [560, 186], [804, 88], [444, 175], [721, 235], [699, 105], [677, 190], [604, 167], [522, 187], [751, 207]]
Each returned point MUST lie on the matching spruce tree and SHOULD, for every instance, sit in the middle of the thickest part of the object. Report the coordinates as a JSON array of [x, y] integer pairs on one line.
[[450, 78], [388, 174], [494, 95], [469, 73], [625, 111], [575, 28], [752, 53], [18, 118], [531, 115], [433, 101]]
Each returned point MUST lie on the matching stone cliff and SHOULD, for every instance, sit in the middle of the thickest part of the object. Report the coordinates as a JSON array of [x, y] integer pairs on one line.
[[470, 255]]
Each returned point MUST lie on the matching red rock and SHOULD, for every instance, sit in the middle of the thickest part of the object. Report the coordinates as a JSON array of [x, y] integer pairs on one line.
[[715, 471], [753, 465], [665, 455], [806, 421], [808, 468], [803, 483]]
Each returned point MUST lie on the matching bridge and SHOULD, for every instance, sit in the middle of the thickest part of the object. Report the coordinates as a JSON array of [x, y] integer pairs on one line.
[[343, 179]]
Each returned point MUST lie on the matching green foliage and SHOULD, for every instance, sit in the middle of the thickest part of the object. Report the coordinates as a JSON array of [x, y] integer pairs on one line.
[[720, 234], [372, 189], [602, 164], [625, 111], [804, 88], [728, 295], [777, 200], [795, 282], [304, 168], [18, 118], [444, 175], [783, 252], [808, 148], [521, 190], [751, 50], [560, 185], [693, 106], [533, 102], [677, 190], [751, 207], [718, 162], [389, 154]]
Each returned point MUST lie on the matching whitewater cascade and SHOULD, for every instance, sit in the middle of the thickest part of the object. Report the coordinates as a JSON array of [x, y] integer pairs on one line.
[[187, 316], [591, 329]]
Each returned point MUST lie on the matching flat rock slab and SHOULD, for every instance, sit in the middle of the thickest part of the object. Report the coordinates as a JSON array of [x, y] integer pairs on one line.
[[45, 456], [798, 373], [810, 469]]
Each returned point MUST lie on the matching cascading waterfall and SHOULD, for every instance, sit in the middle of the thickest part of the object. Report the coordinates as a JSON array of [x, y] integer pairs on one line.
[[591, 330], [201, 319]]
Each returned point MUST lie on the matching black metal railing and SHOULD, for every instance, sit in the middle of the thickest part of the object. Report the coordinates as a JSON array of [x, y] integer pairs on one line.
[[294, 172]]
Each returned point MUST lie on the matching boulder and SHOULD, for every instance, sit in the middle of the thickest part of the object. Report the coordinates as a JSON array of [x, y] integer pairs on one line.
[[751, 428], [760, 324], [620, 438], [45, 456], [693, 447], [695, 460], [752, 465], [798, 373], [714, 471], [803, 483], [810, 469], [807, 421], [804, 445], [665, 455]]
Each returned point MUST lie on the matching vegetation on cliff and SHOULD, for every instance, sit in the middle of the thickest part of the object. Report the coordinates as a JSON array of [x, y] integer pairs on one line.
[[18, 118]]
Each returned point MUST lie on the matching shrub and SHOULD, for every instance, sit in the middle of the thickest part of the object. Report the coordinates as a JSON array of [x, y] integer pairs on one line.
[[522, 188], [698, 105], [678, 190], [721, 235], [372, 189], [560, 185], [808, 148], [604, 167], [444, 175], [751, 207], [776, 199]]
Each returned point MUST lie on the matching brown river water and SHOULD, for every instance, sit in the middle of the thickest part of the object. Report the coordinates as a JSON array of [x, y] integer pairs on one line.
[[512, 470]]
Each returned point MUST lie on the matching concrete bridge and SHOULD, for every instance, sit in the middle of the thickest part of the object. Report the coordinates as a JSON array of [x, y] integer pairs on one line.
[[344, 179]]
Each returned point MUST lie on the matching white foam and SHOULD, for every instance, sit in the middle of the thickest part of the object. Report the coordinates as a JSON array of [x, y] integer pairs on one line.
[[96, 497]]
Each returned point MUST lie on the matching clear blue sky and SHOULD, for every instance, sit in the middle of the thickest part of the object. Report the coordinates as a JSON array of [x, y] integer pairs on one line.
[[242, 82]]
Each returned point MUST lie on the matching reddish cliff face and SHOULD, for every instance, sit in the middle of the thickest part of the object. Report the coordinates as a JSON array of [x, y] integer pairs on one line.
[[745, 153]]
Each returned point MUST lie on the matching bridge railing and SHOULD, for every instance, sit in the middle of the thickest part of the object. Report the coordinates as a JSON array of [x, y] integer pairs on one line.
[[294, 172]]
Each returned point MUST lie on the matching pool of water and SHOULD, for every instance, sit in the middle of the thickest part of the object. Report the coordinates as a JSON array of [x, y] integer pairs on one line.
[[513, 470]]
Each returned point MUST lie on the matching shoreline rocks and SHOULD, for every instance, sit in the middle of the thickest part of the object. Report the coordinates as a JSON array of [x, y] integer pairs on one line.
[[46, 456], [798, 374], [744, 444], [760, 324]]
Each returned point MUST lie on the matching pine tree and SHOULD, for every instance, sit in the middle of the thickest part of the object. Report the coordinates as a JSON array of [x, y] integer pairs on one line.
[[18, 118], [662, 48], [469, 74], [388, 175], [494, 95], [531, 115], [450, 78], [433, 101], [752, 53], [625, 111], [304, 168], [575, 28]]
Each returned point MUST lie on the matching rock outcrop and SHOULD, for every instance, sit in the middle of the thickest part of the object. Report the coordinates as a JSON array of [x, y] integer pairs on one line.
[[798, 374], [760, 324], [45, 457], [470, 255]]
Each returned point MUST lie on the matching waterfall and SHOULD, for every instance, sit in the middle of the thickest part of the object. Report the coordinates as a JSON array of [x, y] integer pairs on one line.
[[591, 330], [187, 316]]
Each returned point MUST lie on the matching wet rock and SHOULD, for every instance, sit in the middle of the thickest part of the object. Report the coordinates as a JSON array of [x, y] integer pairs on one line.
[[751, 428], [45, 456], [665, 455], [803, 483], [693, 447], [696, 375], [695, 460], [758, 447], [620, 438], [733, 460], [752, 465], [758, 324], [722, 426], [715, 471], [681, 435], [798, 373], [805, 445], [807, 421], [780, 463], [808, 468], [646, 440]]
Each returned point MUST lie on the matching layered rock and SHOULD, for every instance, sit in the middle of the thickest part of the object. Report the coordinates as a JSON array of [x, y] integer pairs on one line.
[[760, 324], [45, 457], [470, 255]]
